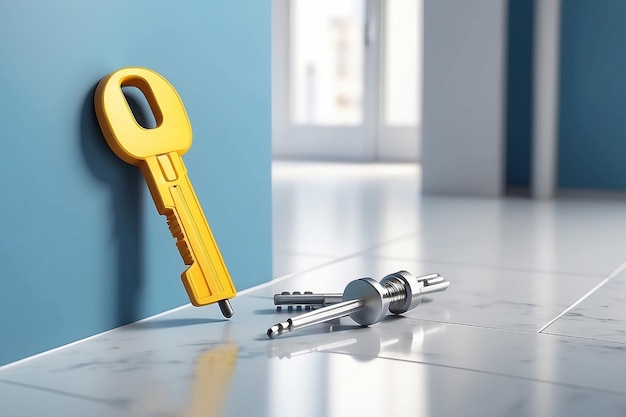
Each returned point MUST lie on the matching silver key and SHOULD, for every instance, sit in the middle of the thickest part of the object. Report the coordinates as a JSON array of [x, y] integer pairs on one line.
[[367, 301]]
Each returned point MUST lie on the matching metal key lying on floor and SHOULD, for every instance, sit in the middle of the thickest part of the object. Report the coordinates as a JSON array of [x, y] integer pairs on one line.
[[367, 301], [158, 152]]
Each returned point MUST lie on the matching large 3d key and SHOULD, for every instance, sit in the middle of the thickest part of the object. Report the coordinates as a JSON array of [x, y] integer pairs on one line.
[[157, 151]]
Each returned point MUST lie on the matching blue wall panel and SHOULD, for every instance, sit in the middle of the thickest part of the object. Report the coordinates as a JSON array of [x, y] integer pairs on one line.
[[82, 248], [519, 93], [592, 128]]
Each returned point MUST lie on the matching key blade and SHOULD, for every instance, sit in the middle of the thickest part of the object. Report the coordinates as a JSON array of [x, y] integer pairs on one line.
[[200, 288], [207, 279], [322, 315]]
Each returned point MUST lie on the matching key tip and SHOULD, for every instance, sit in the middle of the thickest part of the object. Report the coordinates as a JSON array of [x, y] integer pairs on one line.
[[274, 331], [226, 308], [277, 330]]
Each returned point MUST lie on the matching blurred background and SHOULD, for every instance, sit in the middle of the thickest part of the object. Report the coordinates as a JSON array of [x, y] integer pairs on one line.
[[490, 97]]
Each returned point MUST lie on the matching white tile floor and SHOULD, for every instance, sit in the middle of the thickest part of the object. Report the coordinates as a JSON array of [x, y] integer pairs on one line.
[[513, 264]]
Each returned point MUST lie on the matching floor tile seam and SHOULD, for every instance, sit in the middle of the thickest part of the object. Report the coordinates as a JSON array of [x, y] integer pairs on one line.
[[502, 329], [591, 339], [332, 261], [481, 371], [369, 248], [72, 395], [316, 267], [292, 275], [484, 266], [260, 297], [472, 325], [615, 273], [302, 254]]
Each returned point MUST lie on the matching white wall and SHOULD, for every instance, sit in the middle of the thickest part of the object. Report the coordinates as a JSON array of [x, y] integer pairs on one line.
[[464, 97]]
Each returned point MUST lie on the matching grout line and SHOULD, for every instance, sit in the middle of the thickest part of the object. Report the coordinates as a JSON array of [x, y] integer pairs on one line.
[[475, 326], [609, 277], [591, 339], [369, 248], [310, 255], [519, 331], [509, 330], [110, 403], [483, 266], [476, 370], [323, 265]]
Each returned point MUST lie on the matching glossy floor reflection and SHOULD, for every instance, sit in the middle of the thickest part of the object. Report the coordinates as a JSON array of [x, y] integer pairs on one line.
[[513, 264]]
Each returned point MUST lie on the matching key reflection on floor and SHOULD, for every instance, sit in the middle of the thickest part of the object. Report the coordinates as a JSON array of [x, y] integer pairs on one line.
[[400, 388]]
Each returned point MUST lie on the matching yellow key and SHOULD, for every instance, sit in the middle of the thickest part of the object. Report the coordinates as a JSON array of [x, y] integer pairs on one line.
[[158, 152]]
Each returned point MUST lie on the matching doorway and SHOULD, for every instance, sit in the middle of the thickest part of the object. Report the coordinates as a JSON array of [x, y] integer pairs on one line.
[[347, 79]]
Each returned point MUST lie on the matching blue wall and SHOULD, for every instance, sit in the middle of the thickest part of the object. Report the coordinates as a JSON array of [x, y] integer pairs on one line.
[[592, 128], [82, 248], [519, 93]]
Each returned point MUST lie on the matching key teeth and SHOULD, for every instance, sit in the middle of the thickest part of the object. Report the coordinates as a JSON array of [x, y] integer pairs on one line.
[[290, 307], [177, 233]]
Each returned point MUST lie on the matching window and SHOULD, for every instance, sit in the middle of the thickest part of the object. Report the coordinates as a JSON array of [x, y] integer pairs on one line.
[[347, 79]]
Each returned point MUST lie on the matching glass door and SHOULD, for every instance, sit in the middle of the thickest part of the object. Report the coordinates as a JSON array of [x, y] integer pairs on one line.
[[331, 70], [401, 80]]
